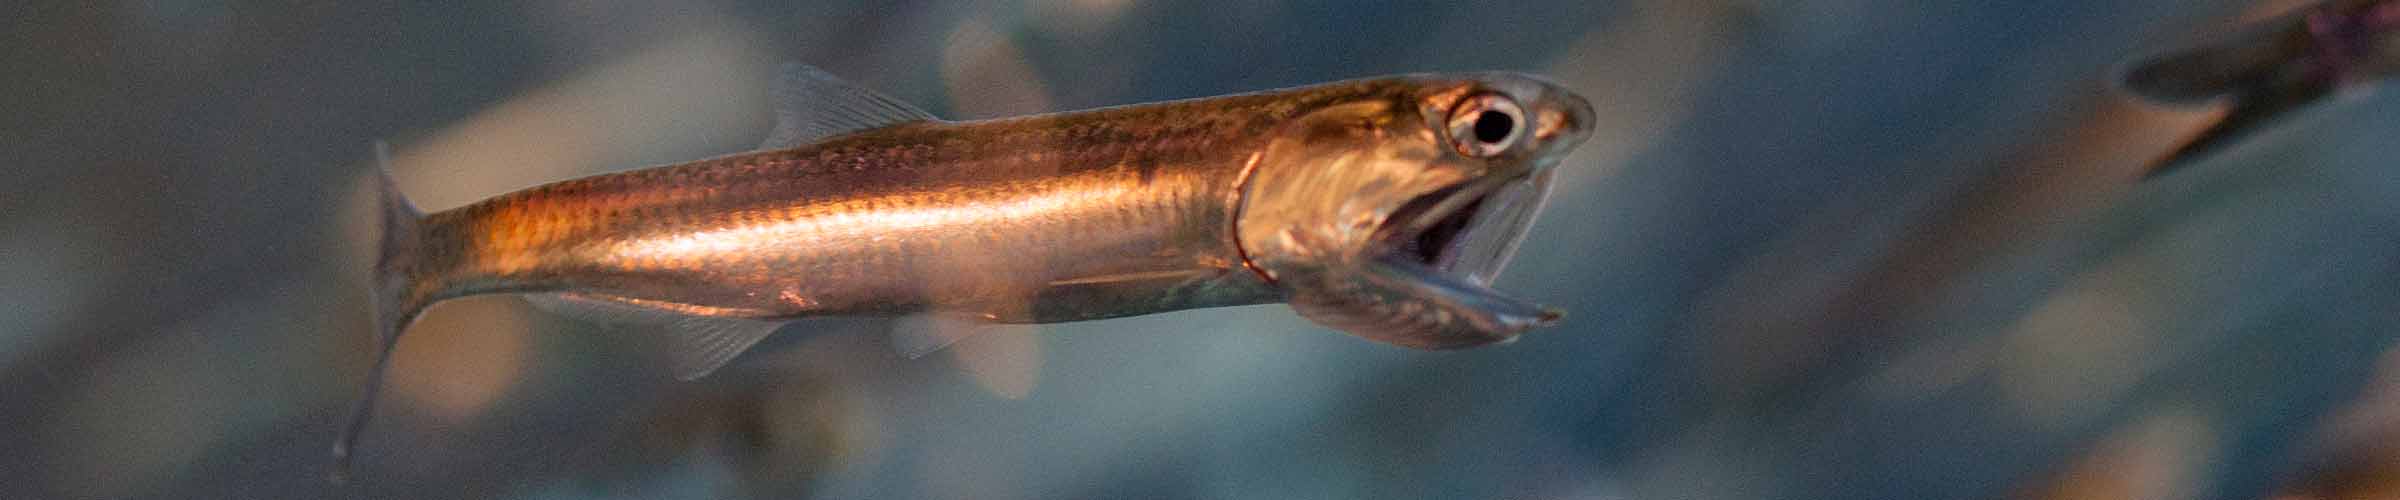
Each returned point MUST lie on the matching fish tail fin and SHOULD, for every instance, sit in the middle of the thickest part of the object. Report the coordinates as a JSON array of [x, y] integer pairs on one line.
[[398, 299], [2249, 61]]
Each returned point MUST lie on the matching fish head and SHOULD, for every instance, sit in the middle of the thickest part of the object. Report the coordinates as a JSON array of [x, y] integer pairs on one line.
[[1387, 215]]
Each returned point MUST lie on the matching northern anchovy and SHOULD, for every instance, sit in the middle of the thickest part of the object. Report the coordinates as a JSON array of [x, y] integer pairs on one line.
[[1380, 207]]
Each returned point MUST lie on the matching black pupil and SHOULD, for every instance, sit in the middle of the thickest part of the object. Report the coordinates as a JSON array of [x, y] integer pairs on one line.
[[1491, 127]]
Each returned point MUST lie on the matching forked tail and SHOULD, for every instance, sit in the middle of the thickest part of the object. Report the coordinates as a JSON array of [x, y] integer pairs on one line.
[[398, 299]]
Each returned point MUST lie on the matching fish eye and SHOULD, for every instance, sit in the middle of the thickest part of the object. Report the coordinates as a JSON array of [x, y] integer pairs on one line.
[[1485, 125]]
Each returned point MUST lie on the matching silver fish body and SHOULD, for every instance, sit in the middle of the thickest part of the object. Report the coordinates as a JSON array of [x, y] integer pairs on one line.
[[1039, 220]]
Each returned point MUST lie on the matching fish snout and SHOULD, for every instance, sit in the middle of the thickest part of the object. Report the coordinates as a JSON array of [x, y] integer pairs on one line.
[[1565, 122]]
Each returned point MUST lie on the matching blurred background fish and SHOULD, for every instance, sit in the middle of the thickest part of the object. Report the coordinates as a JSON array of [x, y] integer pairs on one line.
[[2272, 68], [1815, 249]]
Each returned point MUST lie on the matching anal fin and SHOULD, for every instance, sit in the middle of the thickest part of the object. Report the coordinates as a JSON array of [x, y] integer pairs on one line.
[[701, 339], [704, 344]]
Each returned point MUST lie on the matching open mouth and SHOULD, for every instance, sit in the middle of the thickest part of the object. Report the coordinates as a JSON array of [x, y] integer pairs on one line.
[[1434, 243], [1468, 230]]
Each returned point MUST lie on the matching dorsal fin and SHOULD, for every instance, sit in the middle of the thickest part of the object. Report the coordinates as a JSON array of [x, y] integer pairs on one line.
[[811, 105], [700, 344]]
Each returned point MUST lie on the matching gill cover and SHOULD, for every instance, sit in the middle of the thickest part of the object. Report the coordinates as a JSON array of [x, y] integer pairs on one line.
[[1335, 193]]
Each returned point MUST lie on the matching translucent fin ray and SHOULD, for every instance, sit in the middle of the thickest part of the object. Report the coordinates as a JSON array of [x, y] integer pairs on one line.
[[699, 344], [918, 335], [398, 299], [811, 105], [704, 344]]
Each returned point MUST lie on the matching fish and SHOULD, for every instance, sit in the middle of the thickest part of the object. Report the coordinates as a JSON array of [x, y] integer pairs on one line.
[[2269, 69], [1382, 207]]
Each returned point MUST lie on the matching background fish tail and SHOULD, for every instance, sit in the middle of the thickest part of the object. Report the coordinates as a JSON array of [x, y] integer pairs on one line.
[[398, 299]]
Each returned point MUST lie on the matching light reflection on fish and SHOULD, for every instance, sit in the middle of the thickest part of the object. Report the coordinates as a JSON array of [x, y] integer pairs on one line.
[[1381, 207], [2272, 68]]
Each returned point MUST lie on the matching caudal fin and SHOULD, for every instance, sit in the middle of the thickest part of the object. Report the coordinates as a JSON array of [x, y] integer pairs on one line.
[[397, 299]]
